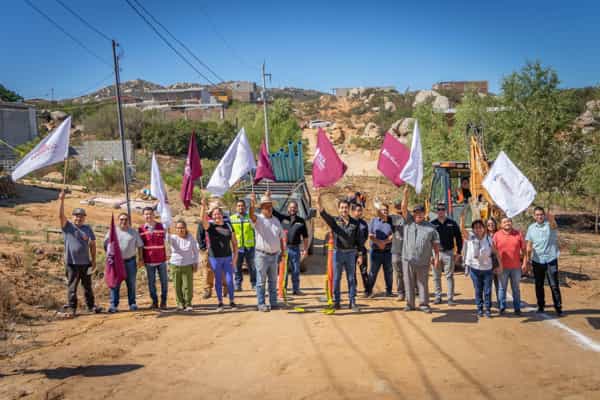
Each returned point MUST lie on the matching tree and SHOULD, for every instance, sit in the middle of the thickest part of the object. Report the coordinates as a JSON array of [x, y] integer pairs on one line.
[[536, 126], [9, 95], [104, 123], [589, 178]]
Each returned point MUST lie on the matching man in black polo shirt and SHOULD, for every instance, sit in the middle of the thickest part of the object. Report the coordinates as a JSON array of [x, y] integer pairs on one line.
[[297, 241], [357, 213], [347, 243], [450, 247]]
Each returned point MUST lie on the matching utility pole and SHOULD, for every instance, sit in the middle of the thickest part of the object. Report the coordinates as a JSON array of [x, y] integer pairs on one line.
[[264, 98], [121, 130]]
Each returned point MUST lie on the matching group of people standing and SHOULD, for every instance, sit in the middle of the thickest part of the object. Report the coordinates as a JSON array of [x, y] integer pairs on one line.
[[407, 246], [404, 245]]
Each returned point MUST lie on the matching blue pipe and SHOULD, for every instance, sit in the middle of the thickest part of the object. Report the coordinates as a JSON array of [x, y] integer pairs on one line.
[[300, 159], [292, 161]]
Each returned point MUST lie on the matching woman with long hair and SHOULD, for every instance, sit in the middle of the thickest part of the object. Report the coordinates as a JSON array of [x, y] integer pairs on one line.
[[183, 263], [222, 251]]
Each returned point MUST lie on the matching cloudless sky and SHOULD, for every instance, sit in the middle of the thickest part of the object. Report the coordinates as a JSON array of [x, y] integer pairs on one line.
[[307, 44]]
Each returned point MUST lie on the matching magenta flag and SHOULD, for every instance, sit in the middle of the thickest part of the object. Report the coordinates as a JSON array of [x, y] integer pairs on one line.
[[264, 170], [191, 172], [392, 158], [114, 271], [327, 167]]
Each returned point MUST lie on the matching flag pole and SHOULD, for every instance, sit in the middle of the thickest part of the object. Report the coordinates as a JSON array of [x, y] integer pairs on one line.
[[65, 173]]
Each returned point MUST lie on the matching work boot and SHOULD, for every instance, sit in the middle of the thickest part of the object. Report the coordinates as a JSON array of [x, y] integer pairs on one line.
[[163, 305], [154, 306]]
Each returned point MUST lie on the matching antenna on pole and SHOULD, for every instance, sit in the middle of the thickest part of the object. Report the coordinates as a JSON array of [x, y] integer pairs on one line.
[[265, 99]]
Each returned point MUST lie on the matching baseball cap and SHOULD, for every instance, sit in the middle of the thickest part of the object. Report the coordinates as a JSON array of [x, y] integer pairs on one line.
[[418, 208], [79, 211]]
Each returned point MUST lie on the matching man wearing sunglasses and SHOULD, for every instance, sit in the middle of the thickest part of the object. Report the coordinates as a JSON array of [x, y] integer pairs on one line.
[[129, 242]]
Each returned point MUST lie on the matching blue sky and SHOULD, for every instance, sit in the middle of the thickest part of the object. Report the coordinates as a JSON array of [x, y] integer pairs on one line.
[[309, 44]]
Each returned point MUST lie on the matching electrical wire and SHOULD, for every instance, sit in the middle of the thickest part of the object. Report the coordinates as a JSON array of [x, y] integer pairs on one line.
[[85, 22], [179, 42], [63, 30], [161, 36]]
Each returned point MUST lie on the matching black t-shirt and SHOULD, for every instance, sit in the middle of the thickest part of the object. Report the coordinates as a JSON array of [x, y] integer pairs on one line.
[[295, 227], [219, 237]]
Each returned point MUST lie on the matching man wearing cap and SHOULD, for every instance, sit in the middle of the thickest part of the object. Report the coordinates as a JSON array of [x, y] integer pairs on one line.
[[154, 254], [297, 241], [451, 245], [420, 240], [269, 245], [381, 234], [80, 256], [398, 222], [347, 244]]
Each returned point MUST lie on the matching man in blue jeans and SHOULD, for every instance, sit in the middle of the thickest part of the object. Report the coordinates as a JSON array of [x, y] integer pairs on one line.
[[269, 246], [381, 234], [297, 241], [244, 234], [154, 254], [510, 245], [129, 242], [346, 231]]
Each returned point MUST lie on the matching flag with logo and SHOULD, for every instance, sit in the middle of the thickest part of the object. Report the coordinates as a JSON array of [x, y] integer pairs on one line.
[[114, 272], [157, 190], [508, 187], [52, 149], [264, 170], [237, 162], [412, 173], [327, 167], [392, 159], [192, 171]]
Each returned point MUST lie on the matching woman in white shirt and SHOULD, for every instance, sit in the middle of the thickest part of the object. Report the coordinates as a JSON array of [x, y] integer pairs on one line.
[[183, 262], [478, 261]]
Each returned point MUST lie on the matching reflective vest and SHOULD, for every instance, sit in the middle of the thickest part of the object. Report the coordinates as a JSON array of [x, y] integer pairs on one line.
[[154, 244], [244, 232]]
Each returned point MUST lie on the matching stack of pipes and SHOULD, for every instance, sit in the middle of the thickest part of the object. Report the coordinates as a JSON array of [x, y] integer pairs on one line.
[[288, 164]]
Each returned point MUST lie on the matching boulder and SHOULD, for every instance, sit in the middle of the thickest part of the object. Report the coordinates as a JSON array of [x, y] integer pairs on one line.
[[441, 103], [423, 95], [402, 127], [58, 115], [389, 106], [585, 119], [372, 130], [375, 109], [593, 105]]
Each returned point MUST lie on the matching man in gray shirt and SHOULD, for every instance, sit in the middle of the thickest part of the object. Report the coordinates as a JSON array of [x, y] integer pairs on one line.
[[398, 222], [420, 240], [80, 256]]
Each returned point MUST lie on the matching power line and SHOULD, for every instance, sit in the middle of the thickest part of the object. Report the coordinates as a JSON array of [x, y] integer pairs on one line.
[[73, 38], [85, 22], [160, 35], [179, 41], [220, 36]]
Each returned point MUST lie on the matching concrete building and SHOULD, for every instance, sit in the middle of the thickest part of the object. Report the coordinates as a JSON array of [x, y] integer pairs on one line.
[[169, 96], [462, 86], [18, 125], [97, 153], [244, 91]]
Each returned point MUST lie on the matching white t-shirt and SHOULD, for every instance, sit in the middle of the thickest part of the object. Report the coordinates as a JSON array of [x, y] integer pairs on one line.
[[479, 253], [268, 233], [184, 251]]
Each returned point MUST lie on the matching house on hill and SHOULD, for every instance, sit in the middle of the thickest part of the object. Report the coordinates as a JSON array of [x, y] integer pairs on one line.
[[18, 125]]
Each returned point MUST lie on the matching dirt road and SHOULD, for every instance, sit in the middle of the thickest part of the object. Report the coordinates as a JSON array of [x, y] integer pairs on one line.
[[381, 353]]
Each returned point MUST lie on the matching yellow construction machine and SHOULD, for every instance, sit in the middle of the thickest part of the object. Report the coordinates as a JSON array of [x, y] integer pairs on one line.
[[449, 183]]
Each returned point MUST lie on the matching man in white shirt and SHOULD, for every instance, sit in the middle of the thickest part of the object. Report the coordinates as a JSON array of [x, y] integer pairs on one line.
[[269, 246]]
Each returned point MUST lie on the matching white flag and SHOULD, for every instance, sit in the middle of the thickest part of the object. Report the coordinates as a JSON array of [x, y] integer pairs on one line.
[[508, 187], [412, 173], [54, 148], [237, 162], [157, 190]]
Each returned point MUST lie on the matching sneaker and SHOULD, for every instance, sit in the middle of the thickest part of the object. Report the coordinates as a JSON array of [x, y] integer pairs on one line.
[[502, 311], [488, 314], [263, 308], [437, 300], [220, 307], [480, 313], [232, 305], [354, 308], [540, 310], [426, 309], [400, 297], [451, 303], [188, 309], [337, 306], [95, 309], [111, 310], [298, 293], [179, 308], [518, 312], [206, 296], [408, 308], [133, 307], [559, 312]]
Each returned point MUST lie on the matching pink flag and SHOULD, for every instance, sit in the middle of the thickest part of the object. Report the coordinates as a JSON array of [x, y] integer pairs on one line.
[[114, 272], [192, 171], [392, 158], [327, 168], [264, 170]]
